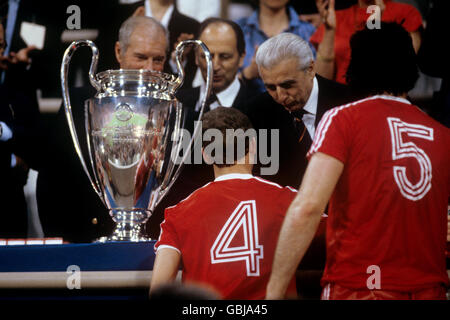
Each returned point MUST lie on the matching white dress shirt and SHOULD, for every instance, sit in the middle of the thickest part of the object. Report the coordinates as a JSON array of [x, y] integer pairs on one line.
[[225, 98], [309, 118], [165, 19]]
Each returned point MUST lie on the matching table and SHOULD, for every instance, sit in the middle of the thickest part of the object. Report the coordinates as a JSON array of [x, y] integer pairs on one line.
[[116, 268]]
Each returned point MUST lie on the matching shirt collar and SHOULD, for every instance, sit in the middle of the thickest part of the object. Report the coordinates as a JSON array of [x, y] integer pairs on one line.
[[253, 19], [388, 97], [230, 176], [225, 97], [294, 21], [166, 17], [311, 104]]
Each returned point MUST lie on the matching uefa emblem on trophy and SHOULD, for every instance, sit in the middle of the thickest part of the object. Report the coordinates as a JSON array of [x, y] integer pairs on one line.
[[131, 123]]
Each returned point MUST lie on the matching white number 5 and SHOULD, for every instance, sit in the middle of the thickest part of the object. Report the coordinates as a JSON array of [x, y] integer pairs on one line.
[[402, 149], [243, 217]]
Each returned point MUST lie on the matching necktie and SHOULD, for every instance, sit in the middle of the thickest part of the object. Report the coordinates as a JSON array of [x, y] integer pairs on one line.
[[211, 99], [299, 125]]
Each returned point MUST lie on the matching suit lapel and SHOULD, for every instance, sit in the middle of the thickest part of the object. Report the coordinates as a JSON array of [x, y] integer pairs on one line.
[[322, 101]]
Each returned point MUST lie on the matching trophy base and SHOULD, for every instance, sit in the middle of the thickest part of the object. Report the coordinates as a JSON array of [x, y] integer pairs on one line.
[[114, 238], [130, 227]]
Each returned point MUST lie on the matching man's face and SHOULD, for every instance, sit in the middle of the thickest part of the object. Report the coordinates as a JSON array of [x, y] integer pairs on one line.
[[287, 84], [221, 42], [146, 50]]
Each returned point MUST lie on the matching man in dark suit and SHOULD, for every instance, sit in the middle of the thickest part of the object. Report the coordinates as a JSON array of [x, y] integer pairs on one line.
[[13, 171], [226, 44], [18, 121], [225, 41], [179, 26], [68, 205], [295, 101]]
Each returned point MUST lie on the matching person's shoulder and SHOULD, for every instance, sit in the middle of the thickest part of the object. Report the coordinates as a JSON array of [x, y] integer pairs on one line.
[[401, 7], [261, 101], [327, 83], [184, 19], [405, 14], [332, 93], [246, 22], [273, 186], [277, 195], [247, 91], [185, 92], [262, 108], [188, 96], [293, 15], [193, 199]]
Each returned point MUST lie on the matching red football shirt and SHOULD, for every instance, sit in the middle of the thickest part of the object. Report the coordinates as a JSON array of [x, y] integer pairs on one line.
[[389, 208], [227, 232], [353, 19]]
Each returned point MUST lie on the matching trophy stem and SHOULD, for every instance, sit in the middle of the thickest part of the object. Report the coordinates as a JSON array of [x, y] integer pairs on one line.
[[130, 226]]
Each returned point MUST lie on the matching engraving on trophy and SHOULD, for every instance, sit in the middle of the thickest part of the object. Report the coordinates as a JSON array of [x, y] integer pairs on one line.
[[123, 112]]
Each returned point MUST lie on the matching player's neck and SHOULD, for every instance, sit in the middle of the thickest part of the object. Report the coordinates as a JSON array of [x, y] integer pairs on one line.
[[365, 3], [237, 168], [403, 95]]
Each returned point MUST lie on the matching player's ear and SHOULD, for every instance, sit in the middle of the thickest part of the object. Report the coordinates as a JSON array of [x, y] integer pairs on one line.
[[207, 157], [311, 70], [117, 52], [252, 150]]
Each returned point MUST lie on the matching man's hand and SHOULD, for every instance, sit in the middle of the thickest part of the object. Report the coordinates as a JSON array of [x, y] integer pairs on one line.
[[22, 56], [327, 13]]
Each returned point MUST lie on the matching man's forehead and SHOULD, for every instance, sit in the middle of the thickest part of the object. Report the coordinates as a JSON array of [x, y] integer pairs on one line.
[[149, 34], [283, 75], [219, 34], [217, 27]]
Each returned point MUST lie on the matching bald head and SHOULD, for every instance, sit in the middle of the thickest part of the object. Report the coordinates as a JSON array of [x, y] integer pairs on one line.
[[226, 44], [142, 44]]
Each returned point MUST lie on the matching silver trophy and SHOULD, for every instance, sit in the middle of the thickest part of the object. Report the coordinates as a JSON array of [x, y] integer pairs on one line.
[[131, 123]]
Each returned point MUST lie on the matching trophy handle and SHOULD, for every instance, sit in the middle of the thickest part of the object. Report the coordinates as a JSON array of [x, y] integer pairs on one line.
[[179, 81], [68, 108]]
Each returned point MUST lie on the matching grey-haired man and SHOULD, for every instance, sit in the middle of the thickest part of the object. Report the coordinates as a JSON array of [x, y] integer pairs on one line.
[[295, 101], [142, 44]]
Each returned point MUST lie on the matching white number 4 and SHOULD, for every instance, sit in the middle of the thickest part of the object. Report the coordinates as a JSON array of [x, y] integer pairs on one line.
[[243, 218], [402, 149]]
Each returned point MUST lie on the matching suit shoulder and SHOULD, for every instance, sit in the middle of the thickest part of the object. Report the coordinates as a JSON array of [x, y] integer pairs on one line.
[[188, 96], [183, 22]]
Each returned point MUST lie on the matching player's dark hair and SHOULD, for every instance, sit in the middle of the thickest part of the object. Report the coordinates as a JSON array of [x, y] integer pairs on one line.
[[223, 118], [382, 61], [240, 40]]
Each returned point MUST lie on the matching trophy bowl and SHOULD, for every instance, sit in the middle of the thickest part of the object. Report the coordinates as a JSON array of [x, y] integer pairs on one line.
[[131, 125]]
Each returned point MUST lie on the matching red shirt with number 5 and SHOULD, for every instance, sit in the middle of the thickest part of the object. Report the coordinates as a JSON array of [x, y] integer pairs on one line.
[[389, 207]]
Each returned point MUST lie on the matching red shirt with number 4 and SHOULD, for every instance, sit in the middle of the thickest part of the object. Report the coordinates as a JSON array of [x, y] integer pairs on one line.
[[226, 232], [389, 209]]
